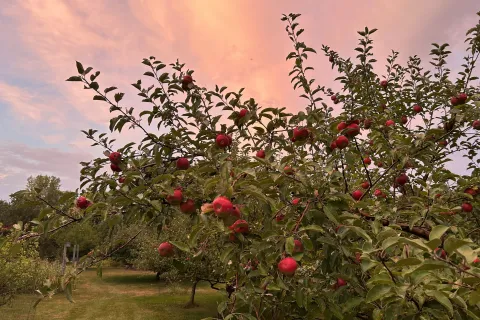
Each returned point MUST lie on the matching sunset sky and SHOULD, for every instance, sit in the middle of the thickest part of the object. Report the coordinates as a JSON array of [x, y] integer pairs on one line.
[[237, 43]]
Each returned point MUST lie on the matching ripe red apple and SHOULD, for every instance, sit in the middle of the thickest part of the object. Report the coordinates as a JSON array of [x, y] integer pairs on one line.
[[222, 141], [341, 142], [222, 206], [183, 164], [176, 197], [440, 253], [333, 145], [334, 97], [477, 260], [470, 191], [462, 98], [367, 160], [358, 257], [121, 179], [300, 134], [352, 130], [242, 113], [476, 124], [379, 164], [165, 249], [236, 212], [287, 266], [365, 185], [378, 193], [260, 154], [404, 120], [82, 202], [188, 206], [341, 126], [401, 179], [280, 217], [367, 123], [295, 201], [298, 246], [438, 195], [384, 83], [239, 226], [115, 167], [356, 121], [115, 157], [417, 108], [341, 283], [454, 101], [288, 170], [357, 194], [467, 207], [390, 123]]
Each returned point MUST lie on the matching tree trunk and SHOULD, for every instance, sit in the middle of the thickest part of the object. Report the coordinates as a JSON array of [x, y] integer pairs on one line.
[[157, 277], [191, 303]]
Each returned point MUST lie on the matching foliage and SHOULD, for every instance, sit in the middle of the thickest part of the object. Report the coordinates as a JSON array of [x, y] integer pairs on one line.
[[378, 256]]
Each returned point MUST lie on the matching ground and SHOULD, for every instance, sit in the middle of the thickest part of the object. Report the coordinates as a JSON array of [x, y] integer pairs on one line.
[[119, 295]]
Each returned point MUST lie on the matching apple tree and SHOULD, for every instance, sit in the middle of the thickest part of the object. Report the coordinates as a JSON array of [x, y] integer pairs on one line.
[[346, 209]]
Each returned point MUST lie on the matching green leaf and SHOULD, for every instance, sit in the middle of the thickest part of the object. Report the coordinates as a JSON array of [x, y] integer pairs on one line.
[[180, 245], [452, 244], [437, 232], [312, 227], [407, 262], [68, 292], [290, 245], [98, 97], [377, 292], [74, 78], [80, 68], [442, 299], [119, 96]]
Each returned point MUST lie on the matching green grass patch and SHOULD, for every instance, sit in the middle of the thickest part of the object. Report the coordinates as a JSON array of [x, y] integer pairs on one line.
[[119, 295]]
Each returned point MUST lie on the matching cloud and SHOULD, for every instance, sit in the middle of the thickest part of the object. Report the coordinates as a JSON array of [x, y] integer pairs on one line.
[[53, 139]]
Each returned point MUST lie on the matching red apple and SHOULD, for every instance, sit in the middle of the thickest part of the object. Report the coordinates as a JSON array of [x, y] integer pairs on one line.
[[341, 142], [358, 257], [333, 145], [402, 179], [477, 260], [242, 113], [295, 201], [298, 246], [236, 212], [280, 217], [222, 206], [341, 283], [341, 126], [352, 130], [379, 164], [417, 108], [470, 191], [300, 134], [188, 206], [356, 121], [115, 167], [287, 266], [121, 179], [176, 197], [454, 101], [331, 59], [440, 253], [476, 124], [288, 170], [467, 207], [183, 164], [357, 194], [260, 154], [165, 249], [239, 226], [222, 141], [438, 195], [338, 227], [367, 161], [367, 123], [462, 98], [365, 185], [384, 83], [82, 202], [115, 157], [404, 120], [390, 123], [334, 97], [378, 193]]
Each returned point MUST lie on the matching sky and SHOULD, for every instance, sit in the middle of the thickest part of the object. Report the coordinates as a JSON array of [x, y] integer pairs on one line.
[[237, 43]]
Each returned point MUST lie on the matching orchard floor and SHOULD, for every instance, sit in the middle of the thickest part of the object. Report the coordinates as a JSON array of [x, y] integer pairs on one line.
[[119, 295]]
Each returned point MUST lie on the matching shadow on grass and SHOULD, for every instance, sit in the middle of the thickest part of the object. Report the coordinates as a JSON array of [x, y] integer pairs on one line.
[[131, 279]]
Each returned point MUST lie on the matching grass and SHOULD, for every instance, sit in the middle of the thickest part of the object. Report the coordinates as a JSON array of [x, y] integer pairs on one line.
[[119, 295]]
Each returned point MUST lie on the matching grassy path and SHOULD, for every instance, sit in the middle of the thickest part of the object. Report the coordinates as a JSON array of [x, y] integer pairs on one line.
[[119, 295]]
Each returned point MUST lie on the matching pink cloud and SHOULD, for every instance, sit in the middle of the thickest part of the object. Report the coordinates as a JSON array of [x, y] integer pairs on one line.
[[53, 139]]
